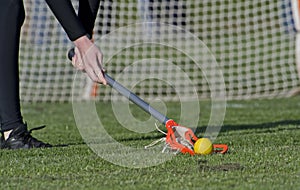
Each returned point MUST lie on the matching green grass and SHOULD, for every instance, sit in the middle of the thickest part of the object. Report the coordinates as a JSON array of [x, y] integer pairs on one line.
[[263, 137]]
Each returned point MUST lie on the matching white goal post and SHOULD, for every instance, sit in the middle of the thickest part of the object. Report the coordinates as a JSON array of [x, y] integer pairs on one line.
[[296, 17], [253, 43]]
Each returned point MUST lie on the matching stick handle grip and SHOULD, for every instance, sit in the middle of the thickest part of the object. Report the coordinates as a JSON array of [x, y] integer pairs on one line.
[[71, 54]]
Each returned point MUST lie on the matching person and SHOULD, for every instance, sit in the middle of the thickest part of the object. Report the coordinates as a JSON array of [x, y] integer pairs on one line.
[[88, 58]]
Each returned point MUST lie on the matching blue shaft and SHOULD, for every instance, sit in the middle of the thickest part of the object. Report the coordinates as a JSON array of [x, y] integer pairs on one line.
[[135, 99]]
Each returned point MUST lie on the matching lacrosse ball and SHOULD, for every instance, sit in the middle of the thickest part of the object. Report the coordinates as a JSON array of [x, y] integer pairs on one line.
[[203, 146]]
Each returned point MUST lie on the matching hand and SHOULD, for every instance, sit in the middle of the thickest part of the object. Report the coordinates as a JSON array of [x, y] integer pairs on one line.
[[88, 58]]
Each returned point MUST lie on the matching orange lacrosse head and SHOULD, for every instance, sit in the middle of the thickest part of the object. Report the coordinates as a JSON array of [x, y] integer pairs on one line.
[[183, 139], [180, 138], [220, 148]]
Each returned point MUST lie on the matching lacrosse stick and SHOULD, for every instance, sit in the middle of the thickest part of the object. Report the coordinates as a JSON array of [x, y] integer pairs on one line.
[[178, 138]]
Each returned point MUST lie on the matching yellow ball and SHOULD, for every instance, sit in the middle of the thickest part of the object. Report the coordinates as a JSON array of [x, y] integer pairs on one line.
[[203, 146]]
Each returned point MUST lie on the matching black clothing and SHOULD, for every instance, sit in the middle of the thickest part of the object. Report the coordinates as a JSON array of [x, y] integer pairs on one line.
[[12, 16], [20, 138], [75, 26]]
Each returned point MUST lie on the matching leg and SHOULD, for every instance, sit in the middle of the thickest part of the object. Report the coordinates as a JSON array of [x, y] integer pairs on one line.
[[14, 132], [11, 19]]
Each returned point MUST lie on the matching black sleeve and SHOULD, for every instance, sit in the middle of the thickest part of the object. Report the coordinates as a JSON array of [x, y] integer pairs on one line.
[[87, 14], [75, 26]]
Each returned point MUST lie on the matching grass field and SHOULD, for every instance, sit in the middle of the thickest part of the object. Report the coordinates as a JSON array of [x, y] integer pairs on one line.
[[263, 137]]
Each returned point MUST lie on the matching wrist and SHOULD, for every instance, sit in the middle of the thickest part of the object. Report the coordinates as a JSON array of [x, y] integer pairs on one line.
[[83, 42]]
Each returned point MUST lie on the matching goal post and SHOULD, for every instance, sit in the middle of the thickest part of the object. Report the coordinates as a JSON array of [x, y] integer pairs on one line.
[[253, 43], [296, 17], [296, 13]]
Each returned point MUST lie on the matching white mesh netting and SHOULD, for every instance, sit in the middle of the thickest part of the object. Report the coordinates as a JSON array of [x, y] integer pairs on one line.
[[253, 43]]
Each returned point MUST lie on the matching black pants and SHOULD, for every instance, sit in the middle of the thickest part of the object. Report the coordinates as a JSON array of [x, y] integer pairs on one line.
[[12, 16]]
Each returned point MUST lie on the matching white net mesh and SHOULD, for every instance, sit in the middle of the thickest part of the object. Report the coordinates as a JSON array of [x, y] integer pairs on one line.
[[252, 41]]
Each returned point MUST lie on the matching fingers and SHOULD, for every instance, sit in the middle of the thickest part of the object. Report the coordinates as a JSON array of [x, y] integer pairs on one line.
[[89, 71], [98, 68], [101, 78], [93, 62], [77, 61], [89, 60], [96, 76]]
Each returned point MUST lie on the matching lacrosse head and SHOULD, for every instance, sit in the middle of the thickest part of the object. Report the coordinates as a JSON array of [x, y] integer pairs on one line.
[[180, 138], [220, 148]]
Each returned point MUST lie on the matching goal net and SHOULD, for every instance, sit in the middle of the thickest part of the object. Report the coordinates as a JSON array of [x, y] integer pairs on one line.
[[163, 48]]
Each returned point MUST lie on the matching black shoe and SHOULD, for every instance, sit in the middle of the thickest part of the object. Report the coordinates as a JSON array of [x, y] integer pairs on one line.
[[20, 138]]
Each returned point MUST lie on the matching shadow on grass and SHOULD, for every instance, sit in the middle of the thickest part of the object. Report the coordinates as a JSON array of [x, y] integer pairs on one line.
[[141, 137], [261, 126], [265, 127], [204, 166], [66, 145]]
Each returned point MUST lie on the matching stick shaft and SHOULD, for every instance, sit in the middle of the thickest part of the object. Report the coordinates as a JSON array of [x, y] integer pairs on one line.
[[135, 99]]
